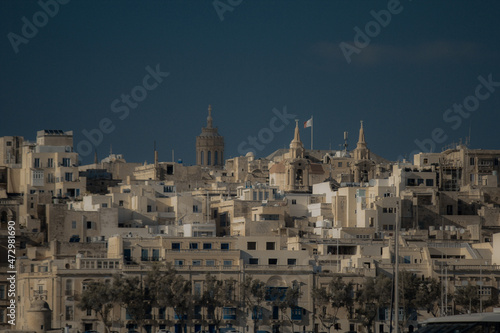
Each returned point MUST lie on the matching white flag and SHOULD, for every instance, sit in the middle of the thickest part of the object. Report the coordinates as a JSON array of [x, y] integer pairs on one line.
[[308, 123]]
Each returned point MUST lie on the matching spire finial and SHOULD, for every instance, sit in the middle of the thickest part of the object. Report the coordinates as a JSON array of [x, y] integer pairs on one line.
[[209, 118], [297, 134], [361, 134]]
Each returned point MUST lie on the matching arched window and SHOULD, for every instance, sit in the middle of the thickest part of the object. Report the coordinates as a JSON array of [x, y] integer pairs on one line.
[[216, 160], [298, 176], [202, 158], [209, 158]]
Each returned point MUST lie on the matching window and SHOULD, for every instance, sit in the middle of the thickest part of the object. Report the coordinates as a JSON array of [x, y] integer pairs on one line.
[[197, 288], [228, 313], [384, 210], [161, 313], [2, 291], [227, 263], [216, 157], [253, 261], [120, 203], [66, 162], [36, 163], [294, 202], [50, 163], [196, 262], [69, 312], [449, 210], [257, 312], [69, 287], [339, 164], [429, 182], [195, 208], [420, 181], [224, 246], [210, 262], [89, 225], [168, 189], [68, 176], [410, 182], [176, 246], [273, 261], [292, 261], [270, 245], [251, 245], [8, 143], [207, 246], [209, 158], [127, 254], [426, 161], [193, 246], [104, 205], [202, 158], [178, 262], [296, 313], [407, 259], [276, 311], [149, 209], [471, 161], [144, 255]]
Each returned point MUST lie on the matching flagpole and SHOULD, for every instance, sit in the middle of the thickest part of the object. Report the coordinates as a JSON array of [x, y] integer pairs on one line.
[[312, 126]]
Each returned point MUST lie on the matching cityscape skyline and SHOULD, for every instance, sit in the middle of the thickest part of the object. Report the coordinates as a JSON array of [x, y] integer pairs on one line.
[[404, 67], [158, 172]]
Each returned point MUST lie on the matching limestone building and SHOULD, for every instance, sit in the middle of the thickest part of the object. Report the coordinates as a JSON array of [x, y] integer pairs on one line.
[[296, 173]]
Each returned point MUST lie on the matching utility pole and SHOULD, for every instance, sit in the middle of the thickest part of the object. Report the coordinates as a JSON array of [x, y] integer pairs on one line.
[[396, 270], [481, 288]]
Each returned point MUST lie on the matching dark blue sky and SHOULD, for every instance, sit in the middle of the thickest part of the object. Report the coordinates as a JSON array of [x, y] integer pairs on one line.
[[263, 55]]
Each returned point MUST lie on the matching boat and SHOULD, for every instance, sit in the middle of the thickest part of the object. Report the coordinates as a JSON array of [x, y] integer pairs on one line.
[[466, 323]]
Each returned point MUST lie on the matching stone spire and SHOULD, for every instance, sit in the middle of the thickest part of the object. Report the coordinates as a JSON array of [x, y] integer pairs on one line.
[[296, 136], [209, 118], [361, 135], [296, 146], [361, 152]]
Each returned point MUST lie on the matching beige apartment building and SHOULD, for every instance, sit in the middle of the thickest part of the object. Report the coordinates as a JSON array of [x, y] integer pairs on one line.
[[51, 279]]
